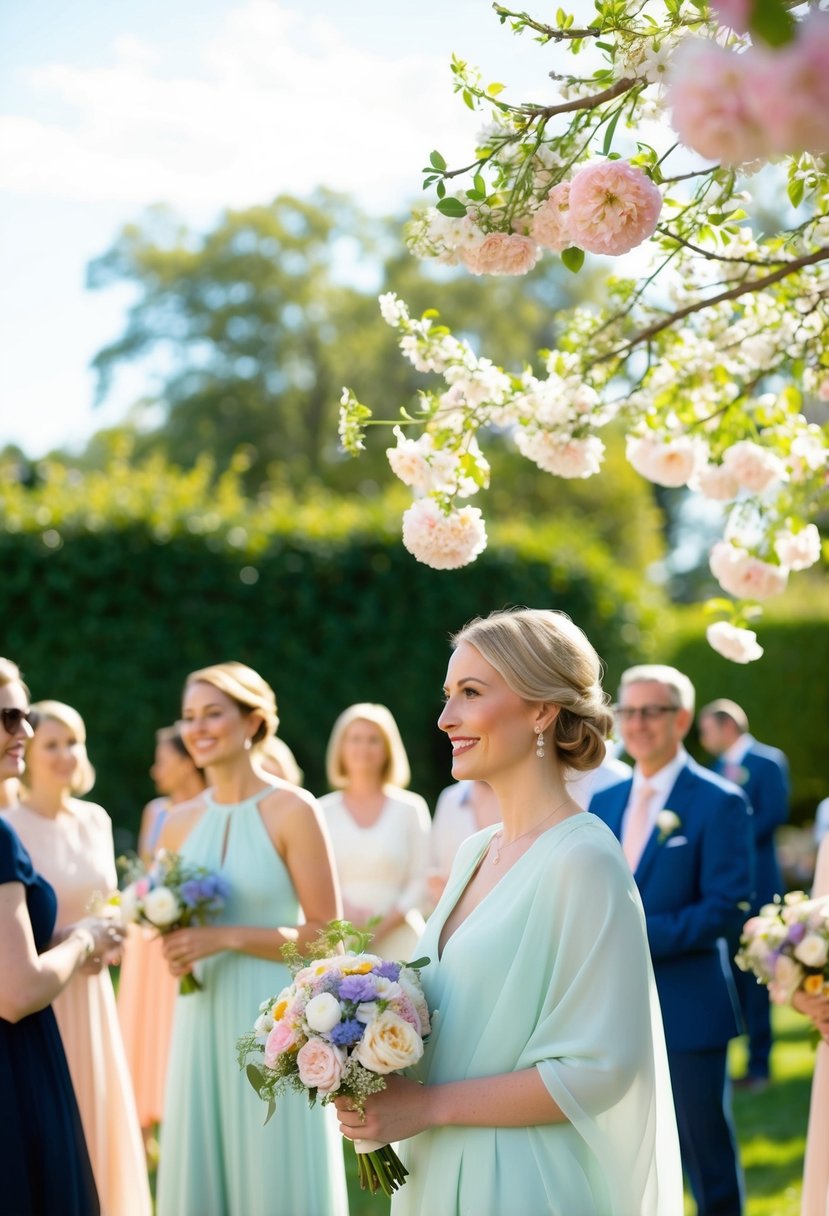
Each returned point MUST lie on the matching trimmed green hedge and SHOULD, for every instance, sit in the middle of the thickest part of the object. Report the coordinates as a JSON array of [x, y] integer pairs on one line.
[[785, 694], [118, 584]]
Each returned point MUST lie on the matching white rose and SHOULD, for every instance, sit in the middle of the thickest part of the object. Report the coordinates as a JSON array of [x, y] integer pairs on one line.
[[389, 1044], [812, 950], [128, 905], [161, 907], [387, 989], [732, 642], [367, 1011], [323, 1012], [788, 976]]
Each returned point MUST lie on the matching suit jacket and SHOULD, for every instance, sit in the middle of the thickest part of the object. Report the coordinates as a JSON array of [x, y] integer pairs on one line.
[[696, 884], [764, 777]]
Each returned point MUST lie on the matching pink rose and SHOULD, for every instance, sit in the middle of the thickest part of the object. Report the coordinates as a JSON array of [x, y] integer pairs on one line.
[[667, 462], [142, 887], [442, 541], [792, 100], [798, 550], [282, 1038], [613, 207], [735, 14], [551, 222], [712, 95], [738, 645], [753, 466], [501, 253], [745, 576], [321, 1065]]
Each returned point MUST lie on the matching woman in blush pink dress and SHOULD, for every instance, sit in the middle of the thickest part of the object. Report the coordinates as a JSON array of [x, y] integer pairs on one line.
[[147, 991], [70, 842], [815, 1200]]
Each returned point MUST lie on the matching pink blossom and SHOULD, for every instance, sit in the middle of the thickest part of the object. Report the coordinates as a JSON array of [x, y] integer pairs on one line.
[[798, 550], [551, 222], [560, 454], [712, 97], [792, 100], [674, 462], [754, 467], [717, 483], [142, 887], [442, 541], [613, 206], [501, 253], [320, 1065], [282, 1038], [738, 645], [408, 461], [745, 576], [735, 14]]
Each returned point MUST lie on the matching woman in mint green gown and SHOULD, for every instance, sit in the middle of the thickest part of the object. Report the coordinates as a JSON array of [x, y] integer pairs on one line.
[[267, 840], [545, 1081]]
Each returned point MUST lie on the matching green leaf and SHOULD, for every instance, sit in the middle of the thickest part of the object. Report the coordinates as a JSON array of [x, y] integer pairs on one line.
[[772, 22], [610, 132], [271, 1109], [437, 160], [494, 89], [255, 1077], [452, 207], [479, 184], [573, 258], [796, 189], [468, 99]]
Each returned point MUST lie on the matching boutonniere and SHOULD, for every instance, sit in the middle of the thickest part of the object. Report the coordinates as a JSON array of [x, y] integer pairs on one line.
[[667, 822]]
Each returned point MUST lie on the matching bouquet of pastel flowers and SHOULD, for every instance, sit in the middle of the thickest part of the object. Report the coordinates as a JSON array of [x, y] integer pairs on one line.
[[171, 894], [787, 946], [345, 1022]]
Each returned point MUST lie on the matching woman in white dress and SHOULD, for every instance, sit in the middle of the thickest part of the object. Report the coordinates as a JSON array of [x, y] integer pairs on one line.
[[379, 830]]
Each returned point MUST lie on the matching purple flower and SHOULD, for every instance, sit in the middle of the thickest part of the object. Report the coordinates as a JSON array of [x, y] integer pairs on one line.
[[347, 1032], [358, 988], [388, 971], [796, 934]]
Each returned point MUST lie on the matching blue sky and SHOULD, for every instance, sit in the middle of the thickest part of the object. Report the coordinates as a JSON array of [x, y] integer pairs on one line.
[[107, 108]]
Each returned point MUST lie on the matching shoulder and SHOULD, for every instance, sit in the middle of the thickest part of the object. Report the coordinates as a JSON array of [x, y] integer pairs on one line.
[[152, 810], [288, 807], [588, 842], [712, 794], [91, 814], [611, 795], [764, 754], [180, 822], [450, 798], [329, 803], [407, 801]]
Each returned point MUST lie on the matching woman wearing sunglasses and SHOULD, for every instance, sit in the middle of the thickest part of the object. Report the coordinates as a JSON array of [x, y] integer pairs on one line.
[[44, 1165], [69, 840]]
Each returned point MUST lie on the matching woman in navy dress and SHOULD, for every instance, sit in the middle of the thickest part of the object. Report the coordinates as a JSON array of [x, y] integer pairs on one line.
[[44, 1165]]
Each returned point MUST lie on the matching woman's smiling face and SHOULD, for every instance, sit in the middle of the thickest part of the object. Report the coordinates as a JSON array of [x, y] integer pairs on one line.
[[490, 727]]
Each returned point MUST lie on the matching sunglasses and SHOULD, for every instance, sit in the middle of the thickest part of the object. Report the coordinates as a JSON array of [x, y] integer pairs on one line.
[[13, 719]]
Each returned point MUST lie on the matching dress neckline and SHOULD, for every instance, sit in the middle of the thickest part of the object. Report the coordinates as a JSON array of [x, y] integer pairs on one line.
[[253, 799]]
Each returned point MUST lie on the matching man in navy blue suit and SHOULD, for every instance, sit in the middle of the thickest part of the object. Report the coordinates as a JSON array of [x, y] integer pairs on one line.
[[687, 835], [763, 774]]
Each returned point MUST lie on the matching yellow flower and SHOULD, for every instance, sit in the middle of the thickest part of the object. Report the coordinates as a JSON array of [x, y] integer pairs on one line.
[[359, 969], [278, 1010], [813, 985]]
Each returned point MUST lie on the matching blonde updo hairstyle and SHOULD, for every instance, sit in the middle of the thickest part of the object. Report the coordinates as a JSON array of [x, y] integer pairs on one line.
[[544, 657], [10, 674], [396, 770], [247, 690], [66, 716]]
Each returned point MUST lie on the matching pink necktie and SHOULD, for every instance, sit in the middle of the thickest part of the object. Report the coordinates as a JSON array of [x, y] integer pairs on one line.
[[637, 827]]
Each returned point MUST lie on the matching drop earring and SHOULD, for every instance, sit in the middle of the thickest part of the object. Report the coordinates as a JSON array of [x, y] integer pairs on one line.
[[539, 743]]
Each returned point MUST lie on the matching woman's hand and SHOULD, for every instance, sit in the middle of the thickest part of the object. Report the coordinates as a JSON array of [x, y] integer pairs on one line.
[[107, 938], [401, 1110], [184, 947], [816, 1008]]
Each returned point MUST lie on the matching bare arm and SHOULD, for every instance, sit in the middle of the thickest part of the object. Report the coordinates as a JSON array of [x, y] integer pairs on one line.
[[299, 836], [404, 1108], [30, 981]]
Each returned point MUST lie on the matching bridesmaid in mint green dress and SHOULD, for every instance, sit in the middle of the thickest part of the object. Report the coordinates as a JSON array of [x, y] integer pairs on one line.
[[267, 839], [545, 1088]]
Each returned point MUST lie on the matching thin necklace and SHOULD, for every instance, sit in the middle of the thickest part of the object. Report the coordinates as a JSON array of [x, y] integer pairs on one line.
[[497, 836]]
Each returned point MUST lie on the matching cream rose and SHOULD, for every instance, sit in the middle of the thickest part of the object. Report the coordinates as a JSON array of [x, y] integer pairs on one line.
[[320, 1065], [812, 950], [161, 907], [323, 1012], [389, 1043]]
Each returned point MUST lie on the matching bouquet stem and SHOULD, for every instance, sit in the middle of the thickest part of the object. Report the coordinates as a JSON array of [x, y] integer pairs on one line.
[[380, 1169], [188, 983]]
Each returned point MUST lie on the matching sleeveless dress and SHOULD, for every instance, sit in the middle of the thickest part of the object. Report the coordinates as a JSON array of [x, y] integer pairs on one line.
[[146, 999], [75, 853], [815, 1200], [44, 1165], [217, 1157], [384, 866], [551, 970]]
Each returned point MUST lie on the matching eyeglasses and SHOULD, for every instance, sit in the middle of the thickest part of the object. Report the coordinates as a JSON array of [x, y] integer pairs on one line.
[[13, 718], [649, 713]]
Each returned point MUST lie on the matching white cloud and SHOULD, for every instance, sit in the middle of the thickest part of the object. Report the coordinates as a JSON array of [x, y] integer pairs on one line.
[[277, 103]]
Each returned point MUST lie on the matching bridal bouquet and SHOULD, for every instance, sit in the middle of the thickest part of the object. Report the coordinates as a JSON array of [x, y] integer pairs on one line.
[[170, 895], [787, 946], [344, 1023]]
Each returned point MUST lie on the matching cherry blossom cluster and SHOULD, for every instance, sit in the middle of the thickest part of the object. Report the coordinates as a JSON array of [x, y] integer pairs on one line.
[[711, 350]]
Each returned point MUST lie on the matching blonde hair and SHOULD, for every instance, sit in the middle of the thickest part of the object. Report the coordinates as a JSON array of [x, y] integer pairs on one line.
[[276, 753], [544, 657], [247, 689], [678, 684], [66, 716], [10, 674], [396, 770]]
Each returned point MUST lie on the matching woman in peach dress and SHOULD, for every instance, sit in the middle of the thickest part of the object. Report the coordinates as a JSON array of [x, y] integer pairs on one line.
[[147, 991], [70, 842], [815, 1200]]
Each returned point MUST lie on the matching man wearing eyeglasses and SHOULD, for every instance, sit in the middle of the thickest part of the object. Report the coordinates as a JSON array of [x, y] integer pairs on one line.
[[763, 773], [687, 836]]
